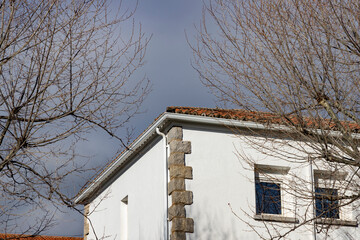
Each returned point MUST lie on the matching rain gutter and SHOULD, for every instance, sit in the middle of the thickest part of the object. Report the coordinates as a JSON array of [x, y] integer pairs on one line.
[[136, 146]]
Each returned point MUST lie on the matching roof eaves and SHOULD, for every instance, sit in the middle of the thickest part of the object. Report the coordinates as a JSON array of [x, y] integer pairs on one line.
[[151, 131], [121, 159], [160, 122]]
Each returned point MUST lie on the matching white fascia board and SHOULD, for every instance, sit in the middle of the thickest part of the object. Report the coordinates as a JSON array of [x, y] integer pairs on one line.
[[152, 131], [121, 159], [136, 145]]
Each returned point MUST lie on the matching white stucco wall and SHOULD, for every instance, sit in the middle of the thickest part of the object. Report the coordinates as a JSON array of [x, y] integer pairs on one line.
[[223, 187], [143, 183]]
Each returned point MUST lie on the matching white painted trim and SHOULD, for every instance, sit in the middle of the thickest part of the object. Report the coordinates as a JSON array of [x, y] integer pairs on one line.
[[151, 131], [271, 169], [122, 158], [275, 218], [341, 222], [166, 180]]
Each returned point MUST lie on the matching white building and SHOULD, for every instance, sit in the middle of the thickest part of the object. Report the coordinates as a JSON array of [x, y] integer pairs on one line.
[[190, 164]]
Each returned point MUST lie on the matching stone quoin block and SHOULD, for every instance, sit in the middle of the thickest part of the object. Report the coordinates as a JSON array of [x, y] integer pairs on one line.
[[175, 133], [86, 221], [178, 236], [184, 197], [180, 146], [86, 227], [182, 225], [177, 210], [177, 171], [176, 184], [176, 159]]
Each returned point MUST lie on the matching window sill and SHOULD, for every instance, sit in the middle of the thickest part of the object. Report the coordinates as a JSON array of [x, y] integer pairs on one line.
[[275, 218], [331, 221]]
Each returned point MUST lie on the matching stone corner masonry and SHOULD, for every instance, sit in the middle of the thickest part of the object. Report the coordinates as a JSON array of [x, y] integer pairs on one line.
[[86, 221], [178, 172]]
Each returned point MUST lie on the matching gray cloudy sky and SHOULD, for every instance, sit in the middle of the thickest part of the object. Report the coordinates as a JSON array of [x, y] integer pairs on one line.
[[174, 82]]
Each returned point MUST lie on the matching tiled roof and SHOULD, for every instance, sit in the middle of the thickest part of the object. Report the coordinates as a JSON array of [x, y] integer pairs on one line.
[[235, 114], [262, 117], [40, 237]]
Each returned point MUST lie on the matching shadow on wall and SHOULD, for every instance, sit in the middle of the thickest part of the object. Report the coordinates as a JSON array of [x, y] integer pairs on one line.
[[208, 225]]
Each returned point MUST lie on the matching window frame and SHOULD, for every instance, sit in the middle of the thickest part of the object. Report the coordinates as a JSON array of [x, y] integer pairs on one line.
[[276, 175], [325, 179]]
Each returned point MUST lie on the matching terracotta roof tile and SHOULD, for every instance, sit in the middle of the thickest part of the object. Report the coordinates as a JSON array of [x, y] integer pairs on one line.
[[40, 237], [262, 117], [237, 114]]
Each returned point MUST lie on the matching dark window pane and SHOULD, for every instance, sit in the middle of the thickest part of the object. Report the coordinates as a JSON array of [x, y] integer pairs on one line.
[[327, 205], [268, 198]]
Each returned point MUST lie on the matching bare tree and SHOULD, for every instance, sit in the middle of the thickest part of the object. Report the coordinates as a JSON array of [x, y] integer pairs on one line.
[[299, 61], [65, 70]]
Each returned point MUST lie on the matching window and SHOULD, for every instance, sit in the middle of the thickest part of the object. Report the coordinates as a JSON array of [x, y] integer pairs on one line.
[[327, 185], [326, 203], [329, 208], [268, 197], [269, 192]]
